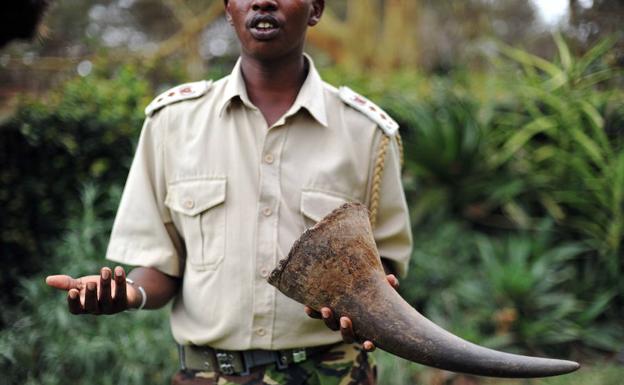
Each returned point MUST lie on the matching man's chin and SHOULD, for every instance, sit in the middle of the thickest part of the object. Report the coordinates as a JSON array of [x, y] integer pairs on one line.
[[268, 51]]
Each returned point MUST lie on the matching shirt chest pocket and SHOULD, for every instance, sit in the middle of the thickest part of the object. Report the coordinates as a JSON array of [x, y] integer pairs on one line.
[[315, 205], [202, 220]]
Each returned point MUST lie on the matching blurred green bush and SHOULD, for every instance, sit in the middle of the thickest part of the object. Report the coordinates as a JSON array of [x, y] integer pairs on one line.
[[83, 131], [46, 345], [517, 197], [515, 182]]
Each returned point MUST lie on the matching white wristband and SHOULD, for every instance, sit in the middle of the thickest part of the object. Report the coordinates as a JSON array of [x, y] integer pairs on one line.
[[143, 294]]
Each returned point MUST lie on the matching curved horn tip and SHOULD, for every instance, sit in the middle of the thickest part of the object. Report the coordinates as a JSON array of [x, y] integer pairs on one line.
[[571, 366], [564, 367], [555, 368]]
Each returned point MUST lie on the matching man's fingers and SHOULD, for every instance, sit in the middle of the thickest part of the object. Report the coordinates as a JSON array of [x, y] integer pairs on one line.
[[312, 313], [329, 319], [90, 303], [120, 301], [346, 330], [73, 302], [344, 325], [62, 282], [105, 300], [369, 346], [393, 281]]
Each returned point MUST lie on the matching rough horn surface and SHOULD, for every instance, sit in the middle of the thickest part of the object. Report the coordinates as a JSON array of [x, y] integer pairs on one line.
[[336, 264]]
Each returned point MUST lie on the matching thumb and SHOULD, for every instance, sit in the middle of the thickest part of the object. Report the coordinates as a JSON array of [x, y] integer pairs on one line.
[[62, 282]]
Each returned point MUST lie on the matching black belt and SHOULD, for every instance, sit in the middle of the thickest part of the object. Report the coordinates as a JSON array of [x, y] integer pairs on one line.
[[228, 362]]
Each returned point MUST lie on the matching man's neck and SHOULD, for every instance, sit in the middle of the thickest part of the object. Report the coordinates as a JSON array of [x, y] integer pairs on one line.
[[273, 86]]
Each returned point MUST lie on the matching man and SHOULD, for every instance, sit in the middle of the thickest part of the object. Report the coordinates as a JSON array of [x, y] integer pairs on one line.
[[226, 177]]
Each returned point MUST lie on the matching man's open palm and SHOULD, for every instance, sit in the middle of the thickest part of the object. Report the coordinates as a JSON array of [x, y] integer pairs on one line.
[[96, 294]]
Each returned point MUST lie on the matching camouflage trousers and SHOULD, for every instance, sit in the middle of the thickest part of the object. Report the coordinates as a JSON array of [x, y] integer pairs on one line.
[[343, 364]]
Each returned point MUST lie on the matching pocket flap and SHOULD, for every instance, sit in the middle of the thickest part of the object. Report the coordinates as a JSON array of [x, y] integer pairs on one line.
[[317, 204], [195, 196]]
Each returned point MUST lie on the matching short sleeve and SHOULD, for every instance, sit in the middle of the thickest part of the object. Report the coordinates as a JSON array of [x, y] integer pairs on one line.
[[140, 236], [393, 230]]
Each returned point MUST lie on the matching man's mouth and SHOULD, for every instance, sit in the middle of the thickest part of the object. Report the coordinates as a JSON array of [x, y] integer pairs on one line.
[[264, 27]]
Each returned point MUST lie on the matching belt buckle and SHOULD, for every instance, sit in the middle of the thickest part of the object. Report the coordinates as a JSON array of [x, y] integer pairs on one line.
[[299, 355], [225, 362]]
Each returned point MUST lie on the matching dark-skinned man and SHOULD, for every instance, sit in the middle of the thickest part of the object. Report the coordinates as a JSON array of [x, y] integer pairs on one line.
[[226, 176]]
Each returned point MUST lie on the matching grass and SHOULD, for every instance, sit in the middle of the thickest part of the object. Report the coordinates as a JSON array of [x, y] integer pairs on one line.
[[396, 371]]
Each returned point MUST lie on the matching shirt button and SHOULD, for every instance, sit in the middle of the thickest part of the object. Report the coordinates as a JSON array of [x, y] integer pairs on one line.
[[268, 158], [189, 204], [267, 211], [261, 331], [264, 273]]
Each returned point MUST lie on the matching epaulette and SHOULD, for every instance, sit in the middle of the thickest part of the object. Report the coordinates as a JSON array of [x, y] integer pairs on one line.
[[370, 109], [176, 94]]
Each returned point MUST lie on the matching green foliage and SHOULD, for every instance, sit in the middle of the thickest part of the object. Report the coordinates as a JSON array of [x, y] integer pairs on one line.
[[397, 371], [524, 284], [48, 345], [558, 138], [515, 292], [85, 130], [483, 176], [563, 139], [447, 146]]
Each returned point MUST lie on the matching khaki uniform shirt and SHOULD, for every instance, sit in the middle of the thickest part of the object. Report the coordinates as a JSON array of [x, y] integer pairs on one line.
[[210, 172]]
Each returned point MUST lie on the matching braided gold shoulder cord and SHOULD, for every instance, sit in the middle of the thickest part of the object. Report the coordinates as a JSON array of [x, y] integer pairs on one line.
[[380, 164]]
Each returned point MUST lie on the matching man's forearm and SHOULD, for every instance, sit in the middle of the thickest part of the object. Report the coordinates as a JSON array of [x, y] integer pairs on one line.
[[160, 288]]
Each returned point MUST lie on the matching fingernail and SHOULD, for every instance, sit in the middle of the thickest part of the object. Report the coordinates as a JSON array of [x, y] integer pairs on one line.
[[105, 274], [325, 313], [73, 294], [91, 286], [118, 272], [343, 323]]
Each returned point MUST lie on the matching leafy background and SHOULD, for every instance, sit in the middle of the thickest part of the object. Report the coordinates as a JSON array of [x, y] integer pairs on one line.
[[514, 174]]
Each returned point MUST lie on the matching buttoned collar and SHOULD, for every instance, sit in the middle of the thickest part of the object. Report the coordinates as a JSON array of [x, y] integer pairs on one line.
[[311, 95]]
